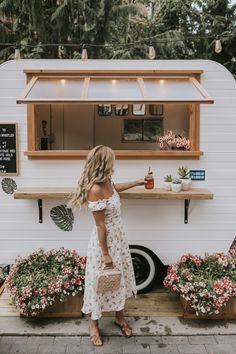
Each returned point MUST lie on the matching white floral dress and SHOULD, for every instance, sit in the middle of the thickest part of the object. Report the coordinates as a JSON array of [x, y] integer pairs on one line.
[[119, 251]]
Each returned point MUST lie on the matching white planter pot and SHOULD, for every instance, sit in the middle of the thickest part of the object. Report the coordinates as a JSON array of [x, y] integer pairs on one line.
[[166, 185], [186, 184], [176, 187]]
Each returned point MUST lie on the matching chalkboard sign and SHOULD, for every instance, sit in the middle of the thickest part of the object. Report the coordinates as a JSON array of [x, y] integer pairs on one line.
[[8, 149]]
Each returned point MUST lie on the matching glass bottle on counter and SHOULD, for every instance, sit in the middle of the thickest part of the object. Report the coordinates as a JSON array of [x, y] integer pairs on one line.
[[149, 179]]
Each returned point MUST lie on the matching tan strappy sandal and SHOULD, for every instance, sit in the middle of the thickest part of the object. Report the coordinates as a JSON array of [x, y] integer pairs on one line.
[[125, 329], [96, 339]]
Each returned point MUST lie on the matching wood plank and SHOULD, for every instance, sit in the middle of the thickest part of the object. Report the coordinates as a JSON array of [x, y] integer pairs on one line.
[[192, 126], [153, 304], [156, 303], [132, 193], [91, 72], [31, 127], [120, 154], [227, 312], [110, 100]]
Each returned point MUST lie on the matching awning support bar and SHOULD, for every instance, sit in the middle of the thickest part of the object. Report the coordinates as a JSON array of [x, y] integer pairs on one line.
[[186, 208], [40, 205]]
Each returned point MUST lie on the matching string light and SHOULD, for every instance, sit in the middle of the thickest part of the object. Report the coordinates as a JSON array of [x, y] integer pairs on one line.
[[17, 55], [151, 52], [116, 46], [61, 52], [84, 55], [218, 46]]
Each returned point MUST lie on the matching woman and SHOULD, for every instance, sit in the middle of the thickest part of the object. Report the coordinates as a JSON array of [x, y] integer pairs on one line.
[[108, 244]]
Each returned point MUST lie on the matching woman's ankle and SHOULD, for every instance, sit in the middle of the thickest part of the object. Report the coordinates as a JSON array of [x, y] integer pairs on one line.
[[93, 323]]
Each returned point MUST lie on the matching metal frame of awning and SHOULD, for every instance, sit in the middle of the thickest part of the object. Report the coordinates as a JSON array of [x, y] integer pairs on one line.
[[139, 79]]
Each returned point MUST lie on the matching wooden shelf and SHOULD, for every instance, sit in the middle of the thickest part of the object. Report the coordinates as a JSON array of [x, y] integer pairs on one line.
[[120, 154], [133, 193]]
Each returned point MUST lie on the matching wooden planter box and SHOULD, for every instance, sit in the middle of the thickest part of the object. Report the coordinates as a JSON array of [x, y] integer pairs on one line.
[[2, 287], [71, 307], [227, 312]]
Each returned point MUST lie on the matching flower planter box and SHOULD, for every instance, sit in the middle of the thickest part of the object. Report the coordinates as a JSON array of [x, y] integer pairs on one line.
[[71, 307], [2, 287], [227, 312]]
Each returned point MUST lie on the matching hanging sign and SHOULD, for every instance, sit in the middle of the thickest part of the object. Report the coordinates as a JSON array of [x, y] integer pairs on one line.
[[8, 149]]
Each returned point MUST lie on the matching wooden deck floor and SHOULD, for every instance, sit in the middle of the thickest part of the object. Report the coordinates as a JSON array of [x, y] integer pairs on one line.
[[157, 303]]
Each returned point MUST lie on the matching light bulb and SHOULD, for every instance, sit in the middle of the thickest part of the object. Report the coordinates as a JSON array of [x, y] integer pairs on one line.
[[218, 46], [17, 54], [61, 51], [151, 52], [84, 55]]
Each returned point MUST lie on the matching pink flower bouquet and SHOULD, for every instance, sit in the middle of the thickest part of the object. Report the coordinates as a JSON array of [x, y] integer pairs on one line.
[[207, 283], [173, 141], [36, 281]]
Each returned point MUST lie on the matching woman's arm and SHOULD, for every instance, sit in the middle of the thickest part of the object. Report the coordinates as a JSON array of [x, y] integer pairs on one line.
[[123, 186], [102, 235]]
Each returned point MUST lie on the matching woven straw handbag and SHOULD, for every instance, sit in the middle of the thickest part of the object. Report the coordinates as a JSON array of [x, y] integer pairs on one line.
[[108, 279]]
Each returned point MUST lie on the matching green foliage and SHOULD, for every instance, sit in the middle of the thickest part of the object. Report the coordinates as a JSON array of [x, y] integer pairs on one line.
[[168, 178], [8, 185], [183, 172], [207, 283], [3, 274], [63, 217], [116, 24], [38, 280]]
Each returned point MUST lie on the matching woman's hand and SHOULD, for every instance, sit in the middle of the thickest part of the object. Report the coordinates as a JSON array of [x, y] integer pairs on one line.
[[141, 182], [107, 260]]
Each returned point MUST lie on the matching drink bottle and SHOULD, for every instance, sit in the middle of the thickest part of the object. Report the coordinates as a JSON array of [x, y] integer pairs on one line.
[[150, 180]]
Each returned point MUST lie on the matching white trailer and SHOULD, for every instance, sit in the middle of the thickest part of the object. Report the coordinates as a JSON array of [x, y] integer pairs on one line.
[[75, 105]]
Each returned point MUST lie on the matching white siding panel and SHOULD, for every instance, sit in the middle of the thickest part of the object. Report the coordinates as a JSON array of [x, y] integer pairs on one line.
[[156, 224]]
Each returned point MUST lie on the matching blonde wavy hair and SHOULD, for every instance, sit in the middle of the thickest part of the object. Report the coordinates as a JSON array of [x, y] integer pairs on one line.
[[98, 168]]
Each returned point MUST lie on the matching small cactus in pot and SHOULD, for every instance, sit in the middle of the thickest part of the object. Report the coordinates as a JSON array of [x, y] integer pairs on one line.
[[167, 182], [184, 176], [176, 185]]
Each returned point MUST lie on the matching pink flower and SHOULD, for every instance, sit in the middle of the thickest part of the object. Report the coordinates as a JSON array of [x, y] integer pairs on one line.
[[42, 291], [44, 300]]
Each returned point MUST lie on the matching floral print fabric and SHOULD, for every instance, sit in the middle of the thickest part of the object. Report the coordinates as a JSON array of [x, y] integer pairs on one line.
[[119, 250]]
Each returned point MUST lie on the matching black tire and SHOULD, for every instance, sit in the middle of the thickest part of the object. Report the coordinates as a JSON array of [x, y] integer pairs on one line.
[[149, 270]]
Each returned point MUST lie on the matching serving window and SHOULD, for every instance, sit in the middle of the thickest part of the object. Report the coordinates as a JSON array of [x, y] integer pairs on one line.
[[70, 113]]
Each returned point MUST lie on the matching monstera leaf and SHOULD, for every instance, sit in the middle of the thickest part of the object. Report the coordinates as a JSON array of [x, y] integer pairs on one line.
[[63, 217], [9, 185]]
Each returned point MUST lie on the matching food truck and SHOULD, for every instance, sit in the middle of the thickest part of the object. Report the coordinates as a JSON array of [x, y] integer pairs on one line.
[[54, 111]]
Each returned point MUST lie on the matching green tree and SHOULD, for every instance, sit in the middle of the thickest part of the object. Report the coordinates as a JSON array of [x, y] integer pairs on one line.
[[119, 29]]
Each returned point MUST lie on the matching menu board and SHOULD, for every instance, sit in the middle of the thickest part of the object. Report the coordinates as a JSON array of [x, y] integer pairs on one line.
[[8, 149]]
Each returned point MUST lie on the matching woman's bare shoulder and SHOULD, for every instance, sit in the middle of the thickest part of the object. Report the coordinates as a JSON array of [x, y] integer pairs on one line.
[[95, 192]]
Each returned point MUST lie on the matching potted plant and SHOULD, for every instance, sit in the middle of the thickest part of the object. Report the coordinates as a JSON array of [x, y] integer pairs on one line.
[[167, 182], [37, 281], [176, 185], [184, 176], [205, 284]]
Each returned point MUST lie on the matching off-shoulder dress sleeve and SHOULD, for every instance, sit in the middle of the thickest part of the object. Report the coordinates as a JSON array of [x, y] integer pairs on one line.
[[97, 205]]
